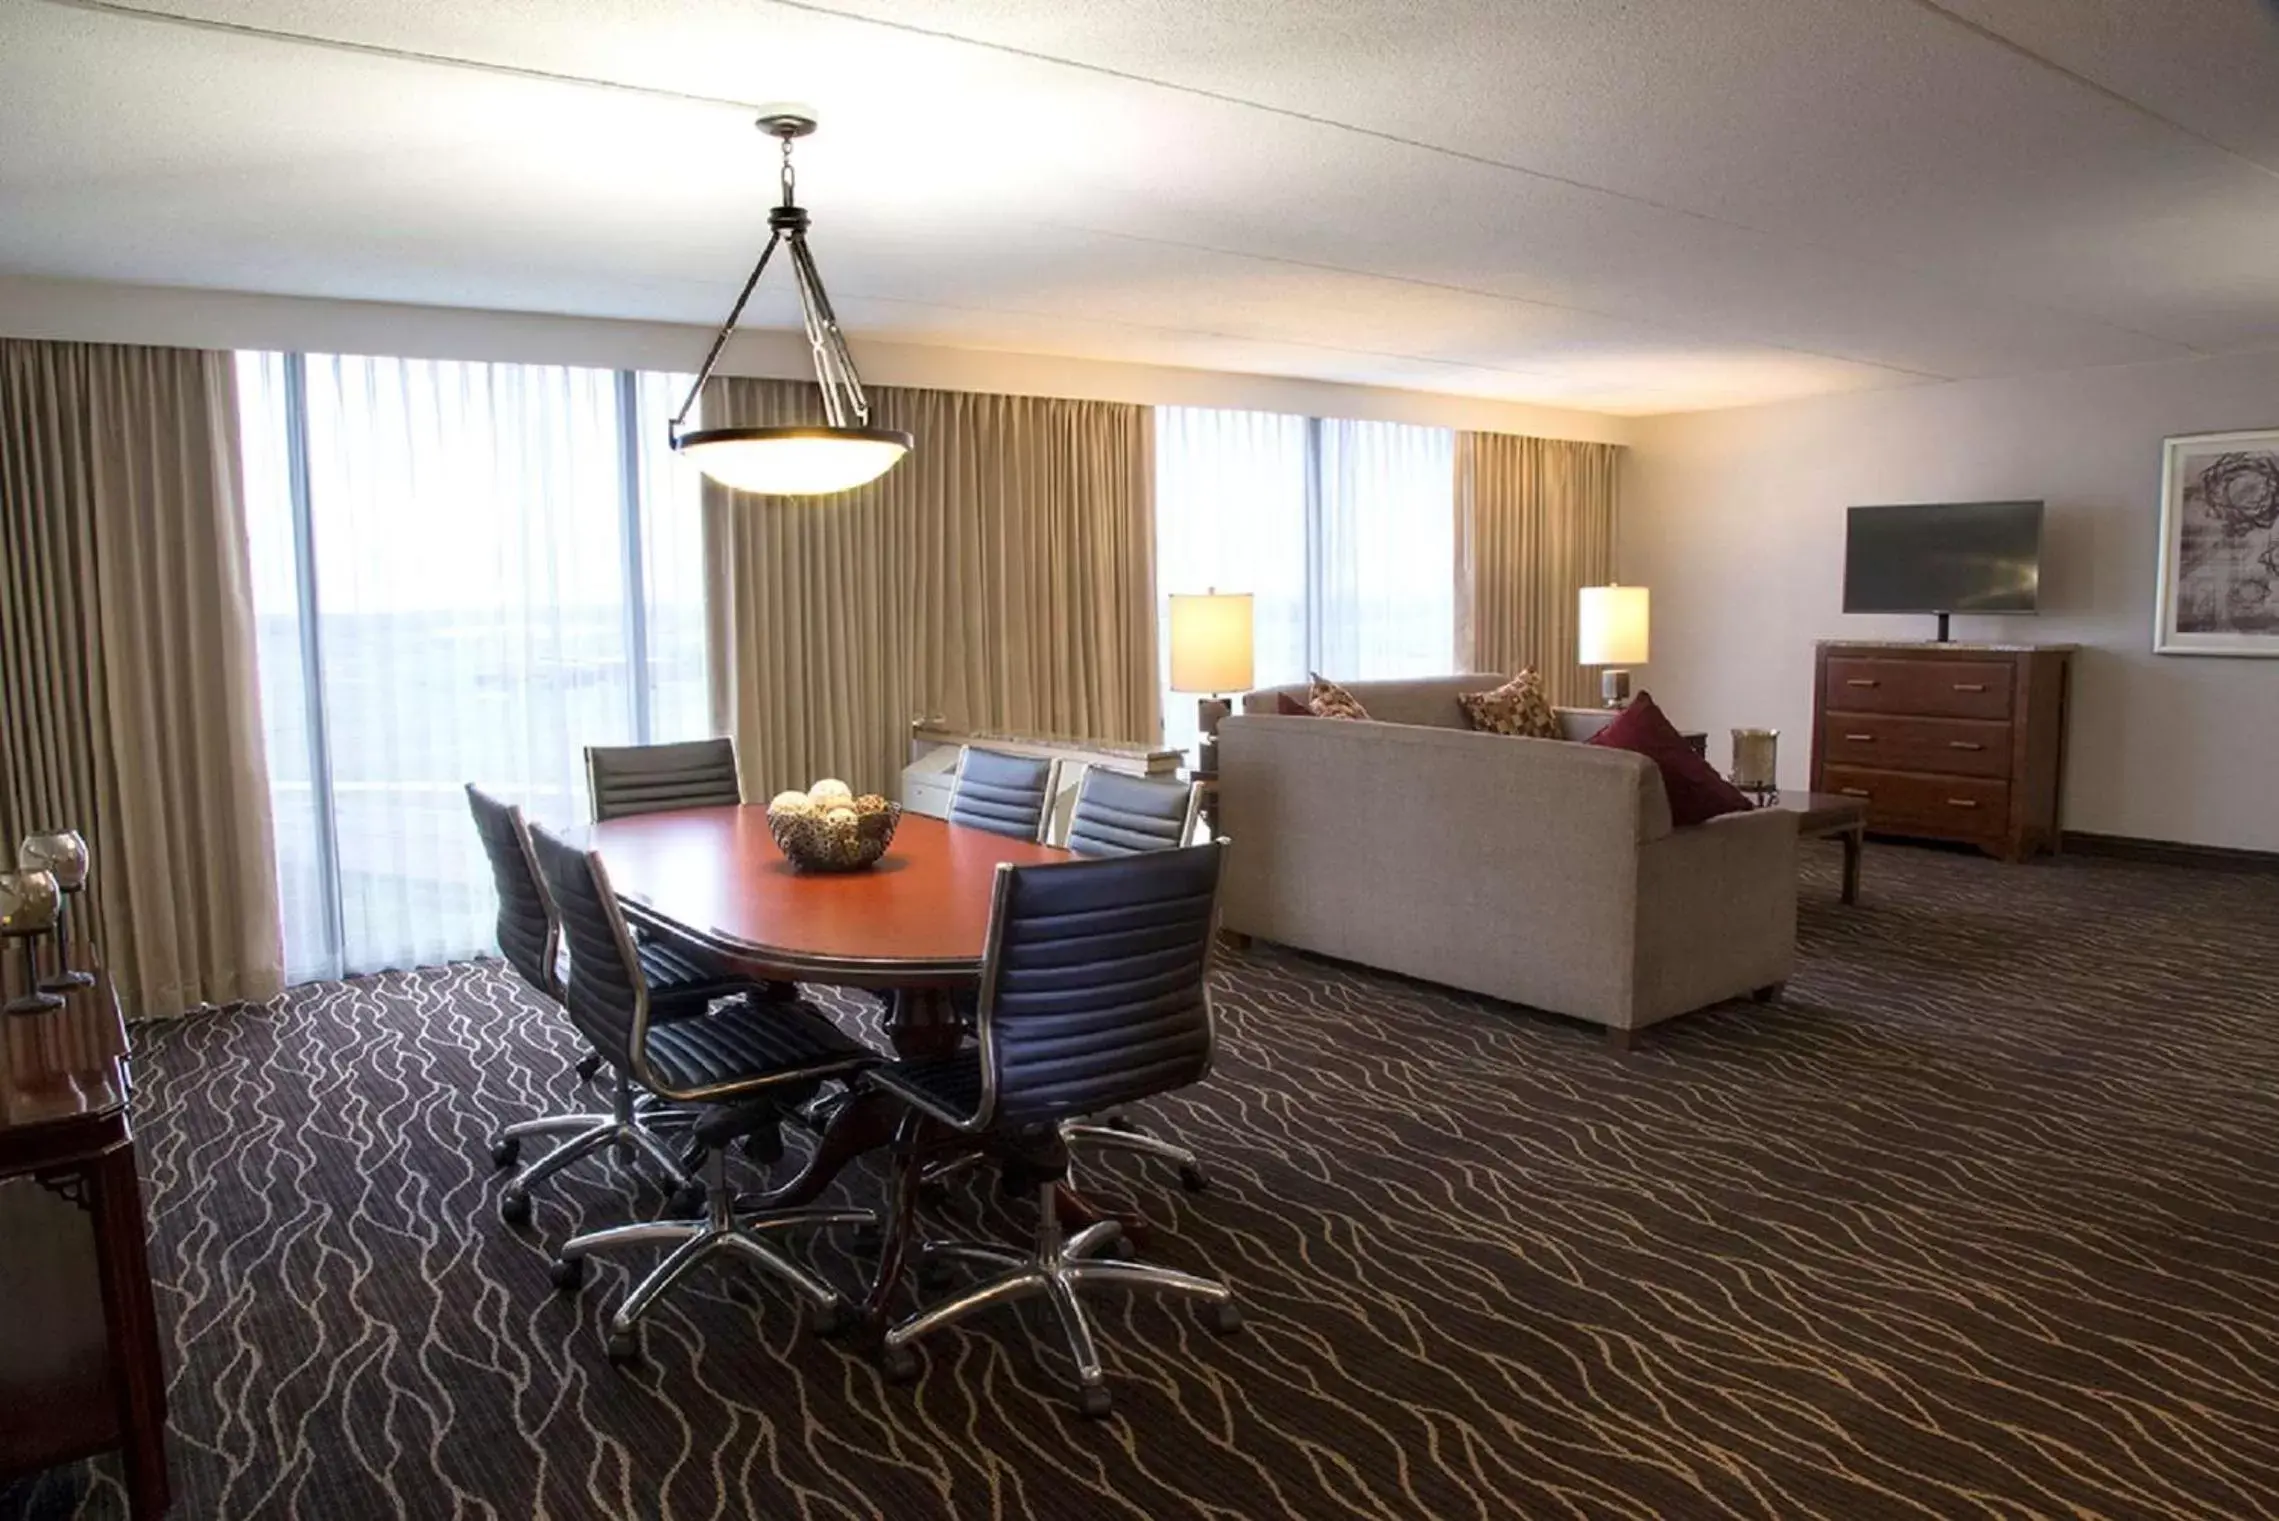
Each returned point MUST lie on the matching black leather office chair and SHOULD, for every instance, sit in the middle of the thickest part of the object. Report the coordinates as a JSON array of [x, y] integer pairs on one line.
[[624, 780], [1120, 815], [751, 1061], [530, 937], [1004, 794], [1093, 993]]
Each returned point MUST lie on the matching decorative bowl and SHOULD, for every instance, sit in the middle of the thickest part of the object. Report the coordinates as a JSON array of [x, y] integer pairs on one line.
[[28, 902], [59, 851], [836, 835]]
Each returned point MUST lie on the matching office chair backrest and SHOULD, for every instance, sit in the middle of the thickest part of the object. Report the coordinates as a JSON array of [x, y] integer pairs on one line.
[[1120, 815], [529, 933], [604, 991], [1004, 794], [629, 779], [1093, 983]]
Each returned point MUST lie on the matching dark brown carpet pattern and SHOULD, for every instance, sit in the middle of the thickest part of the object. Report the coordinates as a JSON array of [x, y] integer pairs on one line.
[[1980, 1222]]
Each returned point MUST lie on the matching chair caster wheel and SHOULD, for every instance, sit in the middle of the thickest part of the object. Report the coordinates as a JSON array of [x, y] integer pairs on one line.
[[506, 1152], [1223, 1318], [514, 1207], [1094, 1402], [1193, 1178], [687, 1201], [623, 1347], [568, 1273], [900, 1364], [589, 1066], [829, 1319]]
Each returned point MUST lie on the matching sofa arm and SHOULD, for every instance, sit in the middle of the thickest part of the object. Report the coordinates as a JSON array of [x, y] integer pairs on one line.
[[1716, 912]]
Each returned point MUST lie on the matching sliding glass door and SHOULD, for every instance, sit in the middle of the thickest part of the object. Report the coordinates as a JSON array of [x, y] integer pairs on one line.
[[465, 572]]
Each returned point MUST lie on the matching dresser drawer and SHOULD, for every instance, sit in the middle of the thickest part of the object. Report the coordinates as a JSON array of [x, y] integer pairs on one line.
[[1954, 746], [1934, 688], [1955, 807]]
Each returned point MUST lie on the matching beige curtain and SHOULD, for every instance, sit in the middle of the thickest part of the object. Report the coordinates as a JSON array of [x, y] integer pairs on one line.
[[1001, 577], [129, 704], [1535, 522]]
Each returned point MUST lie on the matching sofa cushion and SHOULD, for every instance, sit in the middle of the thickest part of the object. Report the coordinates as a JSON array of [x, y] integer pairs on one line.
[[1517, 707], [1697, 793], [1327, 699]]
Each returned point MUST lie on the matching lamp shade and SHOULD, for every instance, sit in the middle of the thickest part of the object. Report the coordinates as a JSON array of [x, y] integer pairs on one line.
[[1612, 626], [1210, 642], [794, 461]]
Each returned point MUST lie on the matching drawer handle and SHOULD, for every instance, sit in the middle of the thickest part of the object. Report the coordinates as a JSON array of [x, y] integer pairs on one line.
[[1853, 791], [1970, 686], [1964, 744], [1962, 802], [1861, 739], [1863, 681]]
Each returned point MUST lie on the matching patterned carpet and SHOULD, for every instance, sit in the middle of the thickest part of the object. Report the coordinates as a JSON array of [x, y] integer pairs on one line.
[[1982, 1221]]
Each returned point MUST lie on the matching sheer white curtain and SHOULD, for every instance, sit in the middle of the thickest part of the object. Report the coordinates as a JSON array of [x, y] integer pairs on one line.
[[1387, 529], [671, 508], [1344, 532], [1230, 514], [462, 606]]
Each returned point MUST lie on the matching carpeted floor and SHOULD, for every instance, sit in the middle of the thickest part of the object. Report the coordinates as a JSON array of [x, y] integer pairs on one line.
[[1982, 1221]]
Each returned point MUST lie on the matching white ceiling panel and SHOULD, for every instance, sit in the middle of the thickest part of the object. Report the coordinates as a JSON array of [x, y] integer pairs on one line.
[[1649, 207]]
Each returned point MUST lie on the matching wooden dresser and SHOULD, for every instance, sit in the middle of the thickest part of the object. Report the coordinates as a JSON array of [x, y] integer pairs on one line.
[[1962, 742]]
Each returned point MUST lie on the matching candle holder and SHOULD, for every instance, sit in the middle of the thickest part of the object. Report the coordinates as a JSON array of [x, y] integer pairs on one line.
[[29, 902], [63, 855], [1756, 763]]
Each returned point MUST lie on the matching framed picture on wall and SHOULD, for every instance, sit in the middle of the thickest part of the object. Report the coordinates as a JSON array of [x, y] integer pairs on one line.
[[2219, 545]]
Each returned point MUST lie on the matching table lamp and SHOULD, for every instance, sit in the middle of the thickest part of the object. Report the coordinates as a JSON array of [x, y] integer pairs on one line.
[[1210, 656], [1612, 633]]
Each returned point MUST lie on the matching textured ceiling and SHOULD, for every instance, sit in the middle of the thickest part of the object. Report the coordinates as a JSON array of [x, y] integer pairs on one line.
[[1639, 207]]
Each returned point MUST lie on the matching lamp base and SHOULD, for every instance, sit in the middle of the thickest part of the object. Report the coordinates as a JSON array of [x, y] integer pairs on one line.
[[1614, 688], [1208, 712]]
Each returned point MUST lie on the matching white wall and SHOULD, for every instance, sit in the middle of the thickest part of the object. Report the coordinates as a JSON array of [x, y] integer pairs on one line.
[[98, 313], [1736, 521]]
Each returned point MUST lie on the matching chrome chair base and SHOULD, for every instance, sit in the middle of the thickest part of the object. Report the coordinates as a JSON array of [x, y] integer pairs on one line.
[[1060, 1270], [1119, 1134], [724, 1228], [630, 1129]]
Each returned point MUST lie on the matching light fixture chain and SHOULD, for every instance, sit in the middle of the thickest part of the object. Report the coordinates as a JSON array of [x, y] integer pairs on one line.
[[812, 307], [834, 366]]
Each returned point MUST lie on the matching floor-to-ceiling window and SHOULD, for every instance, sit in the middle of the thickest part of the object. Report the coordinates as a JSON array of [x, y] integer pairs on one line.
[[1342, 531], [464, 572]]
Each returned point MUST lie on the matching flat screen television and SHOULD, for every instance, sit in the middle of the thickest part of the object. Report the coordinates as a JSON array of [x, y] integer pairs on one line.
[[1944, 557]]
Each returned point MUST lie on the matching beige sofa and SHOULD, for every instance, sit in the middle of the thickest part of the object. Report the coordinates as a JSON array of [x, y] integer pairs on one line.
[[1539, 871]]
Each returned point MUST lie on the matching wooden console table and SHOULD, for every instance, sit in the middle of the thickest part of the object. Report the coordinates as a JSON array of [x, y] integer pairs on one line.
[[63, 1126]]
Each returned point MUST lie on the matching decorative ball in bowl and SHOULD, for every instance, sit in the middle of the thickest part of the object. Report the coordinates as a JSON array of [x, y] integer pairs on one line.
[[829, 828]]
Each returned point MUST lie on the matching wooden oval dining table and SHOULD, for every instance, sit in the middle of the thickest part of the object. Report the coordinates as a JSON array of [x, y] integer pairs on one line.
[[913, 923], [911, 926]]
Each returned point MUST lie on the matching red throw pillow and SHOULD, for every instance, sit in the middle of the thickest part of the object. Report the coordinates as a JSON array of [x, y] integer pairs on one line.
[[1290, 707], [1697, 793]]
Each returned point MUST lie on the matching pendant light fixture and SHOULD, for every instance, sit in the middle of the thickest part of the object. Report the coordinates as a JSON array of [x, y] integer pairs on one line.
[[846, 451]]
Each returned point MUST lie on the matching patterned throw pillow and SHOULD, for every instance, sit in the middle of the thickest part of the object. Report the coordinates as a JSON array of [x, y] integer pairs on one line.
[[1517, 707], [1329, 700]]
